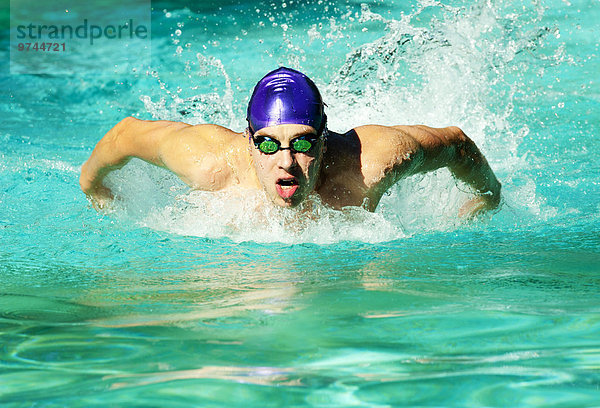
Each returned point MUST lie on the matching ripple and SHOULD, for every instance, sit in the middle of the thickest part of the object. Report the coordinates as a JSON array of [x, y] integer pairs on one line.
[[41, 309], [80, 350], [22, 387]]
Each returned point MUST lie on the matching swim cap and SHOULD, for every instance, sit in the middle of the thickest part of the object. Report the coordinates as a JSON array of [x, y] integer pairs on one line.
[[285, 96]]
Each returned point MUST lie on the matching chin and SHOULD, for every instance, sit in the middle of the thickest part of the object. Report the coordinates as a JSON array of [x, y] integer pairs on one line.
[[288, 204], [293, 202]]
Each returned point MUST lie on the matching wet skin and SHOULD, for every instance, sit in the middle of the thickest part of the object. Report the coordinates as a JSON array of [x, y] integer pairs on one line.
[[287, 177], [345, 169]]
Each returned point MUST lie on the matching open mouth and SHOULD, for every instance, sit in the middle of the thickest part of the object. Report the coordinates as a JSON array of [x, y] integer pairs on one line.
[[286, 187]]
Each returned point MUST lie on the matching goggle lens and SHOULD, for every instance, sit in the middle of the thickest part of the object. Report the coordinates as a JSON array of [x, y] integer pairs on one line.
[[300, 144], [268, 146]]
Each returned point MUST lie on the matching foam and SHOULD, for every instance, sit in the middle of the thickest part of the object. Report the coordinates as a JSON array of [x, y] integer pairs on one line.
[[437, 65]]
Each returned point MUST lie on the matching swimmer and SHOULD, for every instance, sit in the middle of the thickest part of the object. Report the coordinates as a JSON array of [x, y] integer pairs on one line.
[[288, 152]]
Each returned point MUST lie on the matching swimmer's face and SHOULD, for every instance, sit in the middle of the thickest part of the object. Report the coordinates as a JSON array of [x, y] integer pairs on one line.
[[287, 177]]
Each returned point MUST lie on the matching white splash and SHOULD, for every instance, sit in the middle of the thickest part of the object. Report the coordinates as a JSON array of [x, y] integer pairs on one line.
[[438, 65]]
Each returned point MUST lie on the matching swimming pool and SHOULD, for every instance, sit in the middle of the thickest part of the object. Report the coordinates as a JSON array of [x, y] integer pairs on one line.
[[179, 298]]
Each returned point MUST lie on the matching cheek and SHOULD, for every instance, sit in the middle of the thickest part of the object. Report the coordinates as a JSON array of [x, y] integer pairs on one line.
[[262, 166]]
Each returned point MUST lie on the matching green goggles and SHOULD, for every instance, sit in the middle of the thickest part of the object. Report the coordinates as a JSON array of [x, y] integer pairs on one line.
[[301, 144]]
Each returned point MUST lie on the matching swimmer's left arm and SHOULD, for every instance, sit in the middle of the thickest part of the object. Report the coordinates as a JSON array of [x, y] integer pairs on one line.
[[471, 166], [450, 147], [392, 153]]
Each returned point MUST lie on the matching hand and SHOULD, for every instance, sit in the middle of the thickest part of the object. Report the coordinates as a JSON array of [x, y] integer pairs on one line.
[[477, 206], [100, 196]]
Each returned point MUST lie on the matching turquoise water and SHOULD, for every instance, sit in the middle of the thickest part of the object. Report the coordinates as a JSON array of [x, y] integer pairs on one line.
[[178, 298]]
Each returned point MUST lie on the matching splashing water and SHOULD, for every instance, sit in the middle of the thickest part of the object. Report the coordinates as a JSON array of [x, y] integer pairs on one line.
[[219, 295], [437, 65]]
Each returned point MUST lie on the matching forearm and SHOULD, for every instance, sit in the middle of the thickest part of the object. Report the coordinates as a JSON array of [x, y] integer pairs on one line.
[[95, 170], [108, 155], [471, 167]]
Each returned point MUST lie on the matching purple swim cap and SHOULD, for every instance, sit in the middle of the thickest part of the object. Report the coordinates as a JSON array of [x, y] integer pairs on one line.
[[285, 96]]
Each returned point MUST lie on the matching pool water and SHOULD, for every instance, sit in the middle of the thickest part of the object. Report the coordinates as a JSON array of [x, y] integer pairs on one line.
[[179, 298]]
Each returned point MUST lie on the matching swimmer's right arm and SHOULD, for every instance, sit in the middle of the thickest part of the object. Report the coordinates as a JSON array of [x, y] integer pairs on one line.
[[172, 145], [129, 138]]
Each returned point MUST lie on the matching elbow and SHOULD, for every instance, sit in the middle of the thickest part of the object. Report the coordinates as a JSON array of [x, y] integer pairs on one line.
[[116, 141], [465, 150], [127, 121], [120, 128], [458, 137]]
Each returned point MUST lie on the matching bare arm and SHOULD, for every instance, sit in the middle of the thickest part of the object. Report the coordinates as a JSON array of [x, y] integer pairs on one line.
[[391, 153], [450, 147], [179, 147]]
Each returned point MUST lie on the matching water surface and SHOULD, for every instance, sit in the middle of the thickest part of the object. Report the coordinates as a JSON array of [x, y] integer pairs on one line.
[[179, 298]]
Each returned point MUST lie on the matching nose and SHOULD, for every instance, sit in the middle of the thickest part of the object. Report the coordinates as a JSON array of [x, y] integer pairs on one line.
[[285, 159]]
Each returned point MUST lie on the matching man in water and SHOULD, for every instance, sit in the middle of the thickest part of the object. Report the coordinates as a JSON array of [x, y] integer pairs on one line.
[[288, 152]]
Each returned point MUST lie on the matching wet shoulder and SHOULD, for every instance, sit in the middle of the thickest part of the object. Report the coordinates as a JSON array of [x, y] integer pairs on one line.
[[213, 135], [384, 148], [205, 156], [379, 137]]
